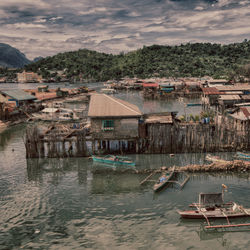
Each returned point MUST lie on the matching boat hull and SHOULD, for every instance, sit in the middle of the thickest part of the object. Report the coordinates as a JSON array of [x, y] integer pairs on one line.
[[112, 162], [217, 214], [159, 186]]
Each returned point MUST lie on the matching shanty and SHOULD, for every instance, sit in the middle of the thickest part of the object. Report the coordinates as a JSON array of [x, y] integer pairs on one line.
[[113, 122]]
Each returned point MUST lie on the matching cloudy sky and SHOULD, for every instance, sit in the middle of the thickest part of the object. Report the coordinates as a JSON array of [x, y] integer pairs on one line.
[[46, 27]]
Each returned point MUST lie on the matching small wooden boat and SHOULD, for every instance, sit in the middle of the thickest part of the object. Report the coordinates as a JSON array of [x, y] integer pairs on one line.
[[114, 160], [212, 206], [164, 180], [214, 158]]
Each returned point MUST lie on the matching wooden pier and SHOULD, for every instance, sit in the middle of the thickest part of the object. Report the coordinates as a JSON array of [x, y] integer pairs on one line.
[[55, 142]]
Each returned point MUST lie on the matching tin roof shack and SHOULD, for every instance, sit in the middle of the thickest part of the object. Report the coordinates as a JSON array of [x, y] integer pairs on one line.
[[157, 130], [113, 121], [44, 88], [244, 88], [193, 86], [166, 88], [17, 96], [240, 120], [210, 96], [62, 92], [150, 90], [216, 82], [228, 101], [178, 85]]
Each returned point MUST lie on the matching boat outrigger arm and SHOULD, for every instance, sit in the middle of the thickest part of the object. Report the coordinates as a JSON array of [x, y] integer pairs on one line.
[[181, 184], [228, 225]]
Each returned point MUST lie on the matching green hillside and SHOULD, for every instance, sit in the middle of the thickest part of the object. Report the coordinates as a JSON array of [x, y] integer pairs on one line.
[[198, 59]]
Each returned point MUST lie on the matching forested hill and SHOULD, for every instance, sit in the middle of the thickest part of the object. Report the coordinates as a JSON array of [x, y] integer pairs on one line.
[[198, 59], [11, 57]]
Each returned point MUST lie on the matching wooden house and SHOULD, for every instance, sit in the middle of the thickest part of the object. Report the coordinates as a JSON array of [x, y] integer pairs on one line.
[[113, 119], [240, 119]]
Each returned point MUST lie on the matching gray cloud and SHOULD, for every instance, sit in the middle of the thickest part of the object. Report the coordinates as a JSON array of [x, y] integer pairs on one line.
[[46, 27]]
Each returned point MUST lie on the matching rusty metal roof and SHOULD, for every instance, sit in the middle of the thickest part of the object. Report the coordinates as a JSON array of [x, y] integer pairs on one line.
[[211, 91], [243, 114]]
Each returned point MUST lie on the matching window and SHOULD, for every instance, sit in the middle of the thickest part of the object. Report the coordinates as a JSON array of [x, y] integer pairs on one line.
[[108, 125]]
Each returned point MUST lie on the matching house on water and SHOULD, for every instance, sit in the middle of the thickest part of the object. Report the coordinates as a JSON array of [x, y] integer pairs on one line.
[[114, 124]]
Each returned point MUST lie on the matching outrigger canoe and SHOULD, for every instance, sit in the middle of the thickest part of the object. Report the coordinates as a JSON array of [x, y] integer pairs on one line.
[[164, 180], [212, 206], [114, 160]]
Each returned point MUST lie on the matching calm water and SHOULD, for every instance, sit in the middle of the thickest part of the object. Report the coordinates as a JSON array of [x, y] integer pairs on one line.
[[67, 204]]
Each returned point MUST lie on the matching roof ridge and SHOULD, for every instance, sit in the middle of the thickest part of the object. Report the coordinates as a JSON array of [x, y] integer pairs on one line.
[[114, 99]]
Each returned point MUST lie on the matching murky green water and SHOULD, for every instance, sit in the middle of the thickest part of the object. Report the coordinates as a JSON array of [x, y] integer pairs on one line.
[[67, 204]]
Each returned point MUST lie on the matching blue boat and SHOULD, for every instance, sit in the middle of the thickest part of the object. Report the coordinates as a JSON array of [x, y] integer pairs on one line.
[[193, 104], [114, 160], [242, 156]]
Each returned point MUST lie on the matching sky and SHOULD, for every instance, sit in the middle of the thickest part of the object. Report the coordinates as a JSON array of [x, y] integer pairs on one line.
[[47, 27]]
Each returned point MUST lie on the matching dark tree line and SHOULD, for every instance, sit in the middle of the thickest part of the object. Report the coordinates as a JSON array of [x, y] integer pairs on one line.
[[192, 59]]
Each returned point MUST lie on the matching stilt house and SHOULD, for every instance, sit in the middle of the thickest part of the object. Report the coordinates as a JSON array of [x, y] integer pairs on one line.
[[113, 121]]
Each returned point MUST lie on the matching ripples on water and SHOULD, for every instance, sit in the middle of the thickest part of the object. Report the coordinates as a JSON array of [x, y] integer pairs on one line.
[[66, 204]]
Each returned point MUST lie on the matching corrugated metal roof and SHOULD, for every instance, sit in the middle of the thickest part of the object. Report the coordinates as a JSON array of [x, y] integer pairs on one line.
[[238, 87], [102, 105], [245, 97], [229, 97], [211, 91], [242, 114], [18, 94], [246, 111], [150, 85]]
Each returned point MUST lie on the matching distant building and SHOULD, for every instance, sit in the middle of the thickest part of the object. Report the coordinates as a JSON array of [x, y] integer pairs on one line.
[[17, 96], [44, 88], [28, 77]]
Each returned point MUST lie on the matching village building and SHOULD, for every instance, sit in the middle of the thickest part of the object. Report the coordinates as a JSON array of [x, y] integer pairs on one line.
[[150, 90], [28, 77], [166, 88], [113, 121], [62, 92], [224, 97], [215, 82], [192, 86], [43, 88], [17, 96], [228, 101], [240, 119]]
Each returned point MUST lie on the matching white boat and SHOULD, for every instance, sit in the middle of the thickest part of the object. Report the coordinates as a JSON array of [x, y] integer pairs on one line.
[[108, 91], [214, 158]]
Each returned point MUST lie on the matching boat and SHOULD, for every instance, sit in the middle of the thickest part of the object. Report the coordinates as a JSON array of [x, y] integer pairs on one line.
[[216, 159], [193, 104], [114, 160], [212, 206], [164, 180], [108, 91], [243, 156]]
